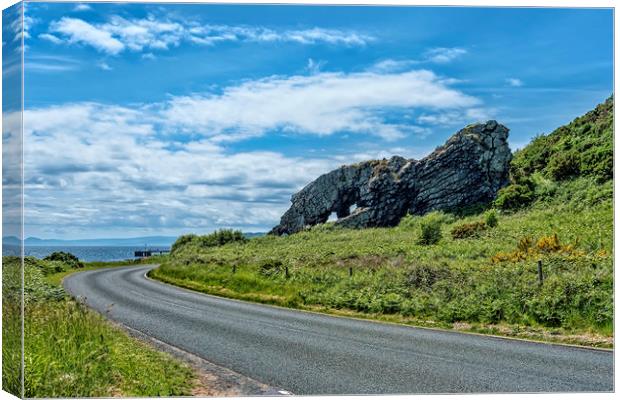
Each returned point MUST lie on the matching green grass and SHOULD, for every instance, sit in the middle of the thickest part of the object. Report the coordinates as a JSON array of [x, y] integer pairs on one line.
[[438, 285], [71, 351]]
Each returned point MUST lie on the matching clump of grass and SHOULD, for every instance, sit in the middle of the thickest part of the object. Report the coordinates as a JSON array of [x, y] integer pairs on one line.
[[429, 226], [89, 358], [491, 219], [468, 230]]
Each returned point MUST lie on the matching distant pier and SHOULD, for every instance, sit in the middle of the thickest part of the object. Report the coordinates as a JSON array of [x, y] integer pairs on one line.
[[149, 252]]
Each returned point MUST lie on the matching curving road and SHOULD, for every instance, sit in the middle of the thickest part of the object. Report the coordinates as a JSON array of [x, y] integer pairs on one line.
[[309, 353]]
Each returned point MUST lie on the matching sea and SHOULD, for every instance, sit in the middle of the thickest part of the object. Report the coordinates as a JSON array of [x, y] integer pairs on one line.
[[84, 253]]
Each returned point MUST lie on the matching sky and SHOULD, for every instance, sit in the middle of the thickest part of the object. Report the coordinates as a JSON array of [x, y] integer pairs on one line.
[[152, 119]]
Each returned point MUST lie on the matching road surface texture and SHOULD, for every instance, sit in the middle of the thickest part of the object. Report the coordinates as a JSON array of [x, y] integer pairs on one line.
[[309, 353]]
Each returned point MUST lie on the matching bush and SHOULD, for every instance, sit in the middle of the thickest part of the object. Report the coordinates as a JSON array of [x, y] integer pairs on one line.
[[430, 230], [182, 241], [424, 276], [513, 197], [217, 238], [222, 237], [564, 166], [66, 258], [271, 268], [490, 218], [463, 231]]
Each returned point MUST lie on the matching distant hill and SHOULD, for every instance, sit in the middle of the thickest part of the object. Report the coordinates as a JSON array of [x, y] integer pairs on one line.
[[138, 241], [151, 241]]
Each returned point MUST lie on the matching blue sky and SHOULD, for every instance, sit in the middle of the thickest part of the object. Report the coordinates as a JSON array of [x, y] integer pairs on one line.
[[167, 119]]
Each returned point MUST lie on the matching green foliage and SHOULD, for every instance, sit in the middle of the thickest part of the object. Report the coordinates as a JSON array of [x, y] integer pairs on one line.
[[582, 148], [66, 258], [491, 219], [468, 230], [271, 268], [11, 325], [514, 197], [71, 351], [430, 228], [182, 241], [564, 166], [220, 237]]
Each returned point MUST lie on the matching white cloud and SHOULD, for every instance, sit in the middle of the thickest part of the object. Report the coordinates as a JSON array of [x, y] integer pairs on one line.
[[139, 34], [119, 34], [98, 165], [82, 7], [78, 31], [390, 65], [443, 55], [50, 38], [314, 67], [104, 66], [44, 63], [320, 104], [514, 82], [212, 34]]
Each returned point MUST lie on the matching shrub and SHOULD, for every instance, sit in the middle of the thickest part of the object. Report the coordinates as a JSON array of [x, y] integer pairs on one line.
[[217, 238], [222, 237], [271, 268], [513, 197], [564, 166], [424, 276], [546, 245], [490, 218], [430, 228], [182, 241], [463, 231], [66, 258]]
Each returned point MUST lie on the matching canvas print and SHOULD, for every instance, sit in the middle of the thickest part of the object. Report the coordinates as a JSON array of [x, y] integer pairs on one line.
[[220, 200]]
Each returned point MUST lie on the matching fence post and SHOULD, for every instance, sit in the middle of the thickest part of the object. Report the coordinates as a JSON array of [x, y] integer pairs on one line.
[[350, 271], [286, 271], [540, 272], [234, 268]]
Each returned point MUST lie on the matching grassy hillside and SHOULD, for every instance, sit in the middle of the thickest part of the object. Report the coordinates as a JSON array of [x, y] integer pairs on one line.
[[477, 272], [71, 351]]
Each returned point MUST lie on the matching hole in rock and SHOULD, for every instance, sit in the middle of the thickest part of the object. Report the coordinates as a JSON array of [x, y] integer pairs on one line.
[[332, 217]]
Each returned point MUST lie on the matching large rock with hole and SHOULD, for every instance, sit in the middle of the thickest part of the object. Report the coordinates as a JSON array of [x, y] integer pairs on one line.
[[468, 169]]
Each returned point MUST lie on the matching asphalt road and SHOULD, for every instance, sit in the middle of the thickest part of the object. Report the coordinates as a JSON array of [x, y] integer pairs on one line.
[[309, 353]]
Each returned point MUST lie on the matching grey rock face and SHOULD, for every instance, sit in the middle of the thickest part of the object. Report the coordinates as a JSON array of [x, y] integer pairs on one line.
[[468, 169]]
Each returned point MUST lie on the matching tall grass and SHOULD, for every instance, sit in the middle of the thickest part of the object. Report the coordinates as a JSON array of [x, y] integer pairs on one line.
[[11, 327], [71, 351]]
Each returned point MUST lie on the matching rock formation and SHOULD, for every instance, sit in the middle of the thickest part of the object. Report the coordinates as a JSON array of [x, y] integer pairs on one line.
[[468, 169]]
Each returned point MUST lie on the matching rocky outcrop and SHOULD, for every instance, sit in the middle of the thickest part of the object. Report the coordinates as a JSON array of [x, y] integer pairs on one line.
[[468, 169]]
